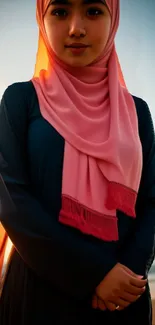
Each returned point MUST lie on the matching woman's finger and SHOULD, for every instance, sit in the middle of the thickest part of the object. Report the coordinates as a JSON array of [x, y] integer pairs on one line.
[[122, 303], [134, 290], [110, 305], [129, 297], [139, 283], [94, 302], [101, 304]]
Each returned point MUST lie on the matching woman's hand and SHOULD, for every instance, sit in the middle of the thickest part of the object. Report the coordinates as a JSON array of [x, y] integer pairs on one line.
[[97, 303], [119, 289]]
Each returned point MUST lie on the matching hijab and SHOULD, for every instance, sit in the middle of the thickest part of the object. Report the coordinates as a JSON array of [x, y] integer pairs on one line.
[[94, 112]]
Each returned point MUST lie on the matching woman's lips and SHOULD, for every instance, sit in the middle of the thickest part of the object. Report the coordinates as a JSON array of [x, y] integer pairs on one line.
[[77, 48]]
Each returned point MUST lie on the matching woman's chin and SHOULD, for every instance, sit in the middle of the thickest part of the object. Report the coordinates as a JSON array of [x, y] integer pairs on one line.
[[77, 61]]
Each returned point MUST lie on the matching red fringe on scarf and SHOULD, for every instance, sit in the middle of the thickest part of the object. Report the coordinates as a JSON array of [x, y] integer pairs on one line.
[[88, 221], [121, 198], [93, 223]]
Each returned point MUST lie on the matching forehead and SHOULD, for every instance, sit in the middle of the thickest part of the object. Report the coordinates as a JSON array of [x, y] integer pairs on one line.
[[76, 2]]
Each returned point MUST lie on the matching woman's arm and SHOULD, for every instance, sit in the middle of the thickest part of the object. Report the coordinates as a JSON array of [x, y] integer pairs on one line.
[[71, 261], [138, 254]]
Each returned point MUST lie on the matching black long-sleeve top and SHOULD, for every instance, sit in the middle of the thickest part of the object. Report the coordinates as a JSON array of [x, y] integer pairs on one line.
[[31, 161]]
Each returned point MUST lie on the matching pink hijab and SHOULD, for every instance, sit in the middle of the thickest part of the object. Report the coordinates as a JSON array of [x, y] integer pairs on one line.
[[93, 111]]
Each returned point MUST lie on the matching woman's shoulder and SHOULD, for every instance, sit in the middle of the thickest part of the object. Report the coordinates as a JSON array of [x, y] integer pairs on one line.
[[19, 91], [140, 104], [145, 123], [143, 111], [17, 101]]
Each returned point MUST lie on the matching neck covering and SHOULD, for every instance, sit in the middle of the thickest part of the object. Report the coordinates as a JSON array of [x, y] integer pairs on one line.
[[93, 111]]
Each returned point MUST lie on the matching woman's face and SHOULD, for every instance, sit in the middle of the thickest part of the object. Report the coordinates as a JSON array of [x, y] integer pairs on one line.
[[77, 30]]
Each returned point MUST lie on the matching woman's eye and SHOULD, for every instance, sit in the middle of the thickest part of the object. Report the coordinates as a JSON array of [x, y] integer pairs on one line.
[[59, 12], [94, 12]]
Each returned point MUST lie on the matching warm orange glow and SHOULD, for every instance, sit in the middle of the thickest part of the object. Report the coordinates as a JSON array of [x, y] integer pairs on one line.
[[120, 73], [3, 243], [42, 60], [8, 250]]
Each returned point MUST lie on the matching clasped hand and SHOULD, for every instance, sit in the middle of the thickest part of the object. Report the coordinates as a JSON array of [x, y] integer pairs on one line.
[[118, 289]]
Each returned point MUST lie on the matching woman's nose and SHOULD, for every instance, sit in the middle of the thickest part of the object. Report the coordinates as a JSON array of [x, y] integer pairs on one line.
[[77, 28]]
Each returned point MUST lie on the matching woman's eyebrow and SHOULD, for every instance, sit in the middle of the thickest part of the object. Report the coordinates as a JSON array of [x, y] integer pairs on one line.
[[60, 2], [94, 1]]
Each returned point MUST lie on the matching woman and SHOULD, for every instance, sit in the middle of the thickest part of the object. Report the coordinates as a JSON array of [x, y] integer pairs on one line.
[[77, 159]]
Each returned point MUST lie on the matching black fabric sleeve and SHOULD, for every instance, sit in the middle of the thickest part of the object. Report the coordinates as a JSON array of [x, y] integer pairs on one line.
[[72, 262], [138, 254]]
